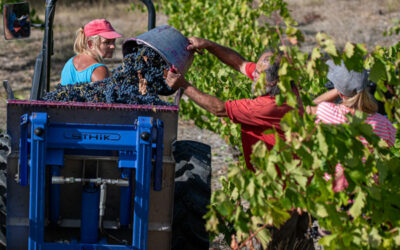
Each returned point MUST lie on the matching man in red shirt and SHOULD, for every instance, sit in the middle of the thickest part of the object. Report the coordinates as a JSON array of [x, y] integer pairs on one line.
[[254, 115]]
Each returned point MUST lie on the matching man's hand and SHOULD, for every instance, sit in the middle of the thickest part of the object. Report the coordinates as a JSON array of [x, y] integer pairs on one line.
[[175, 79], [197, 44], [210, 103]]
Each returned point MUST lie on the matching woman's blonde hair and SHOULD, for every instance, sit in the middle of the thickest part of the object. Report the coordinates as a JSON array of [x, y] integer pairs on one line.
[[81, 45], [362, 101]]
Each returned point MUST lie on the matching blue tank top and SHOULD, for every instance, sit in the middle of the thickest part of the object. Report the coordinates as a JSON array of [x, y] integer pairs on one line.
[[70, 75]]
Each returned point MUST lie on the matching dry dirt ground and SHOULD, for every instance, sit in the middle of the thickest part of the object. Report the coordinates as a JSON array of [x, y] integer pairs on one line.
[[361, 21]]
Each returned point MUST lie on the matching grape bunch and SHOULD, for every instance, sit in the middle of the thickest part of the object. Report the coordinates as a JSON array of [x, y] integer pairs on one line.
[[138, 80]]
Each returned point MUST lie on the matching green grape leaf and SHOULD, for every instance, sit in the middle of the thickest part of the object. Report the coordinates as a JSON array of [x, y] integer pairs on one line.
[[359, 202], [378, 71]]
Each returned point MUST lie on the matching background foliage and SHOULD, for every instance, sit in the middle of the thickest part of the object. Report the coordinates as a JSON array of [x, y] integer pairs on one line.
[[248, 202], [235, 24]]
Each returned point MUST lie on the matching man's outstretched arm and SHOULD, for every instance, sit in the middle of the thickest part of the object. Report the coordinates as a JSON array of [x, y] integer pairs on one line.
[[224, 54], [208, 102]]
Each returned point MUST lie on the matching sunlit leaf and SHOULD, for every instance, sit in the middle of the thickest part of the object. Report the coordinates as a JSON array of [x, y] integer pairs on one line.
[[349, 49], [359, 202]]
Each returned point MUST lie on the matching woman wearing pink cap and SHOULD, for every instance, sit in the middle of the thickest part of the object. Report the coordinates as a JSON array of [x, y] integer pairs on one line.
[[95, 41]]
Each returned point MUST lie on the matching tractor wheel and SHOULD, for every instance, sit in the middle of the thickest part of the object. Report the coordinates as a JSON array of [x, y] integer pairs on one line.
[[192, 195], [5, 150]]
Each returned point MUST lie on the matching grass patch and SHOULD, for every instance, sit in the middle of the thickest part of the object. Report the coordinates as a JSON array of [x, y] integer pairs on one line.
[[308, 3], [392, 5]]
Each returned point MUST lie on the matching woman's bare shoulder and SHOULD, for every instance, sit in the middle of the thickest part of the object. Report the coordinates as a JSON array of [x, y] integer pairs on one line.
[[82, 62]]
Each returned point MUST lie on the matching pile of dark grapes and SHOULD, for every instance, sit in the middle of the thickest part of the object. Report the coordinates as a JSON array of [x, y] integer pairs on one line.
[[138, 80]]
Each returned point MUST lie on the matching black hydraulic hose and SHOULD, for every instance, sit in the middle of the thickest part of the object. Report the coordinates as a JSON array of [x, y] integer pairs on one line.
[[50, 11], [151, 14], [41, 77]]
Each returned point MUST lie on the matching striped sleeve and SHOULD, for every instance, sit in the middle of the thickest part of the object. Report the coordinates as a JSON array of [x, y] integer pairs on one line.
[[382, 127], [330, 113]]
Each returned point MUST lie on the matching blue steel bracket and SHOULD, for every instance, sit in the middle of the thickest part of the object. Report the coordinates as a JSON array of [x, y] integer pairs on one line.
[[158, 155], [37, 180], [48, 144], [127, 159], [23, 151], [143, 168], [55, 157], [125, 198]]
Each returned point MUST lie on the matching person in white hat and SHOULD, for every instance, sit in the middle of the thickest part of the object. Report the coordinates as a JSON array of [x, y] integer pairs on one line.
[[352, 88]]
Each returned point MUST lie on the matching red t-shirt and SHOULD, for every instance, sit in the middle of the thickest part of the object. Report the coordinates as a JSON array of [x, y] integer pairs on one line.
[[256, 116]]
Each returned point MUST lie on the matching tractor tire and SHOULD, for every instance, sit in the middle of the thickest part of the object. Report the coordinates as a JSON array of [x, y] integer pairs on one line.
[[5, 150], [192, 195]]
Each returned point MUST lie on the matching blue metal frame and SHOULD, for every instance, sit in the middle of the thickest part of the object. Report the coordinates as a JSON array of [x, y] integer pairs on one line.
[[37, 181], [82, 246], [142, 185], [90, 214], [135, 146], [125, 200]]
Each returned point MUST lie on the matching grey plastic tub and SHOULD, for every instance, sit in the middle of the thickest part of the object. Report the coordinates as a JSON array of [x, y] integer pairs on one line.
[[168, 42]]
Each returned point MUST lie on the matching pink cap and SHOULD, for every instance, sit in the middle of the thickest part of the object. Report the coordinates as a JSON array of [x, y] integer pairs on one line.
[[100, 27]]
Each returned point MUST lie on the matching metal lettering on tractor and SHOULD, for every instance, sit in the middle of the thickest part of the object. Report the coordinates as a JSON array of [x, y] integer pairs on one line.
[[92, 136]]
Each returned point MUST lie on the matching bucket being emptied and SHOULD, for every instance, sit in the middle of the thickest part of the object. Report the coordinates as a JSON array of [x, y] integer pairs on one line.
[[167, 42]]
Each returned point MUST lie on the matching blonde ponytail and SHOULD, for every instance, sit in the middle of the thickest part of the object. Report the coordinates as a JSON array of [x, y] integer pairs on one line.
[[80, 41], [362, 101], [81, 45]]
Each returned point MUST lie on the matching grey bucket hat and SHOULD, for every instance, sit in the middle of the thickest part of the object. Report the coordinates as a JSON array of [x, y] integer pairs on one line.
[[346, 82]]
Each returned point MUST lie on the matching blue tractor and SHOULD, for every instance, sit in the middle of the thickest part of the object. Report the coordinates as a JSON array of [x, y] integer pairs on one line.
[[100, 176]]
